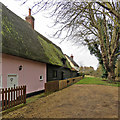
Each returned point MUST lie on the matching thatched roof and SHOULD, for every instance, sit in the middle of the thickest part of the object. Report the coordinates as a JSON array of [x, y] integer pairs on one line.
[[72, 61], [19, 39]]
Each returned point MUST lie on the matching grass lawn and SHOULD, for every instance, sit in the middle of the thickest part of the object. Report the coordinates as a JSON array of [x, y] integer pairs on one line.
[[96, 81]]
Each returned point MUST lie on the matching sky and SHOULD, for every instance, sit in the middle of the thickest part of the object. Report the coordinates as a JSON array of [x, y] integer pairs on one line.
[[42, 24]]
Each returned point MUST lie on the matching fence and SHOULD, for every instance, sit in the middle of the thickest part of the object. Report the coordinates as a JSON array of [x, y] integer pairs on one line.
[[52, 86], [60, 84], [13, 96]]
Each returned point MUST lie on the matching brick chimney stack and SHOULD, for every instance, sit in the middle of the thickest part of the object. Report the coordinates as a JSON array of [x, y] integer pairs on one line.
[[30, 19], [71, 56], [29, 12]]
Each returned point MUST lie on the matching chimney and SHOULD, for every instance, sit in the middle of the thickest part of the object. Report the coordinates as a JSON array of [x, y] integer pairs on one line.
[[71, 56], [29, 12], [30, 19]]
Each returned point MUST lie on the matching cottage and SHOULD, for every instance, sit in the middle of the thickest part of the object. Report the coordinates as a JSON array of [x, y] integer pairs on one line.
[[73, 64], [27, 57]]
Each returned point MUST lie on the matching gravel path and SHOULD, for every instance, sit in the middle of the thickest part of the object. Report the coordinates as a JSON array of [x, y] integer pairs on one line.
[[76, 101]]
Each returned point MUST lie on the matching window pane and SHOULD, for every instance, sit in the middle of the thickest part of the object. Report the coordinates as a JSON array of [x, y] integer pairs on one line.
[[54, 73]]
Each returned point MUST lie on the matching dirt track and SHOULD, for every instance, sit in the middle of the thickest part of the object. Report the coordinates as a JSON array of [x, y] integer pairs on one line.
[[76, 101]]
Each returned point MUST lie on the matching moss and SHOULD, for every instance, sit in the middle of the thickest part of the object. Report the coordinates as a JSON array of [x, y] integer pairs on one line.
[[68, 64], [2, 32], [19, 39], [52, 52], [9, 32], [9, 29]]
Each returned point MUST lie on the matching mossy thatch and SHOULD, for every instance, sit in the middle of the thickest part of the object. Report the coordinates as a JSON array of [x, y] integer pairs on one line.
[[19, 39]]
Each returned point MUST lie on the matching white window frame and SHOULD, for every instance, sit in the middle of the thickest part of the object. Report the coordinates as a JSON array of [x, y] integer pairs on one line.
[[41, 78]]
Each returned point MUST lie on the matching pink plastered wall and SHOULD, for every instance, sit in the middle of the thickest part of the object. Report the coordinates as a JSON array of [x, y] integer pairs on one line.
[[29, 75]]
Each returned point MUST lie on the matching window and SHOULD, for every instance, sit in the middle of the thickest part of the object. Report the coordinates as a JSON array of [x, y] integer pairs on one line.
[[41, 77], [54, 73], [20, 67]]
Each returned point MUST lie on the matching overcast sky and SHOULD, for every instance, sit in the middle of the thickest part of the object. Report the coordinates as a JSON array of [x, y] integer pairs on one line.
[[81, 54]]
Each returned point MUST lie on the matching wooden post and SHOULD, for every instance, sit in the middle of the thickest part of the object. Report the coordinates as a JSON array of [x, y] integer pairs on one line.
[[14, 95], [11, 97], [24, 94], [2, 99], [21, 94], [5, 98], [8, 97]]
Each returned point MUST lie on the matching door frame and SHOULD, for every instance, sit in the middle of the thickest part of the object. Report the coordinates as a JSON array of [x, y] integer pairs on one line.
[[11, 75]]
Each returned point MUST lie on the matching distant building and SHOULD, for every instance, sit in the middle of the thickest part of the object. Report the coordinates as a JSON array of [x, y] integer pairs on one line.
[[73, 64], [86, 70]]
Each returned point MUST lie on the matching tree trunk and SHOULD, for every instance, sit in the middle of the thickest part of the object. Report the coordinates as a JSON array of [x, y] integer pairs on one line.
[[111, 75]]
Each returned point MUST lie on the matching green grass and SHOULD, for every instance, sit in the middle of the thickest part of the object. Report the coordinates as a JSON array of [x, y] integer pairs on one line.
[[96, 81], [33, 98]]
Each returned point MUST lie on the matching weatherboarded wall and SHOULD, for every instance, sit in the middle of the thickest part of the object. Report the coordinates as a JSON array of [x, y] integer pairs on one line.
[[29, 75], [62, 73]]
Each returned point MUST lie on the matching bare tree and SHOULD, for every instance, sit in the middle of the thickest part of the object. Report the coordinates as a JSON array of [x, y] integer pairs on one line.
[[111, 7], [95, 24]]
